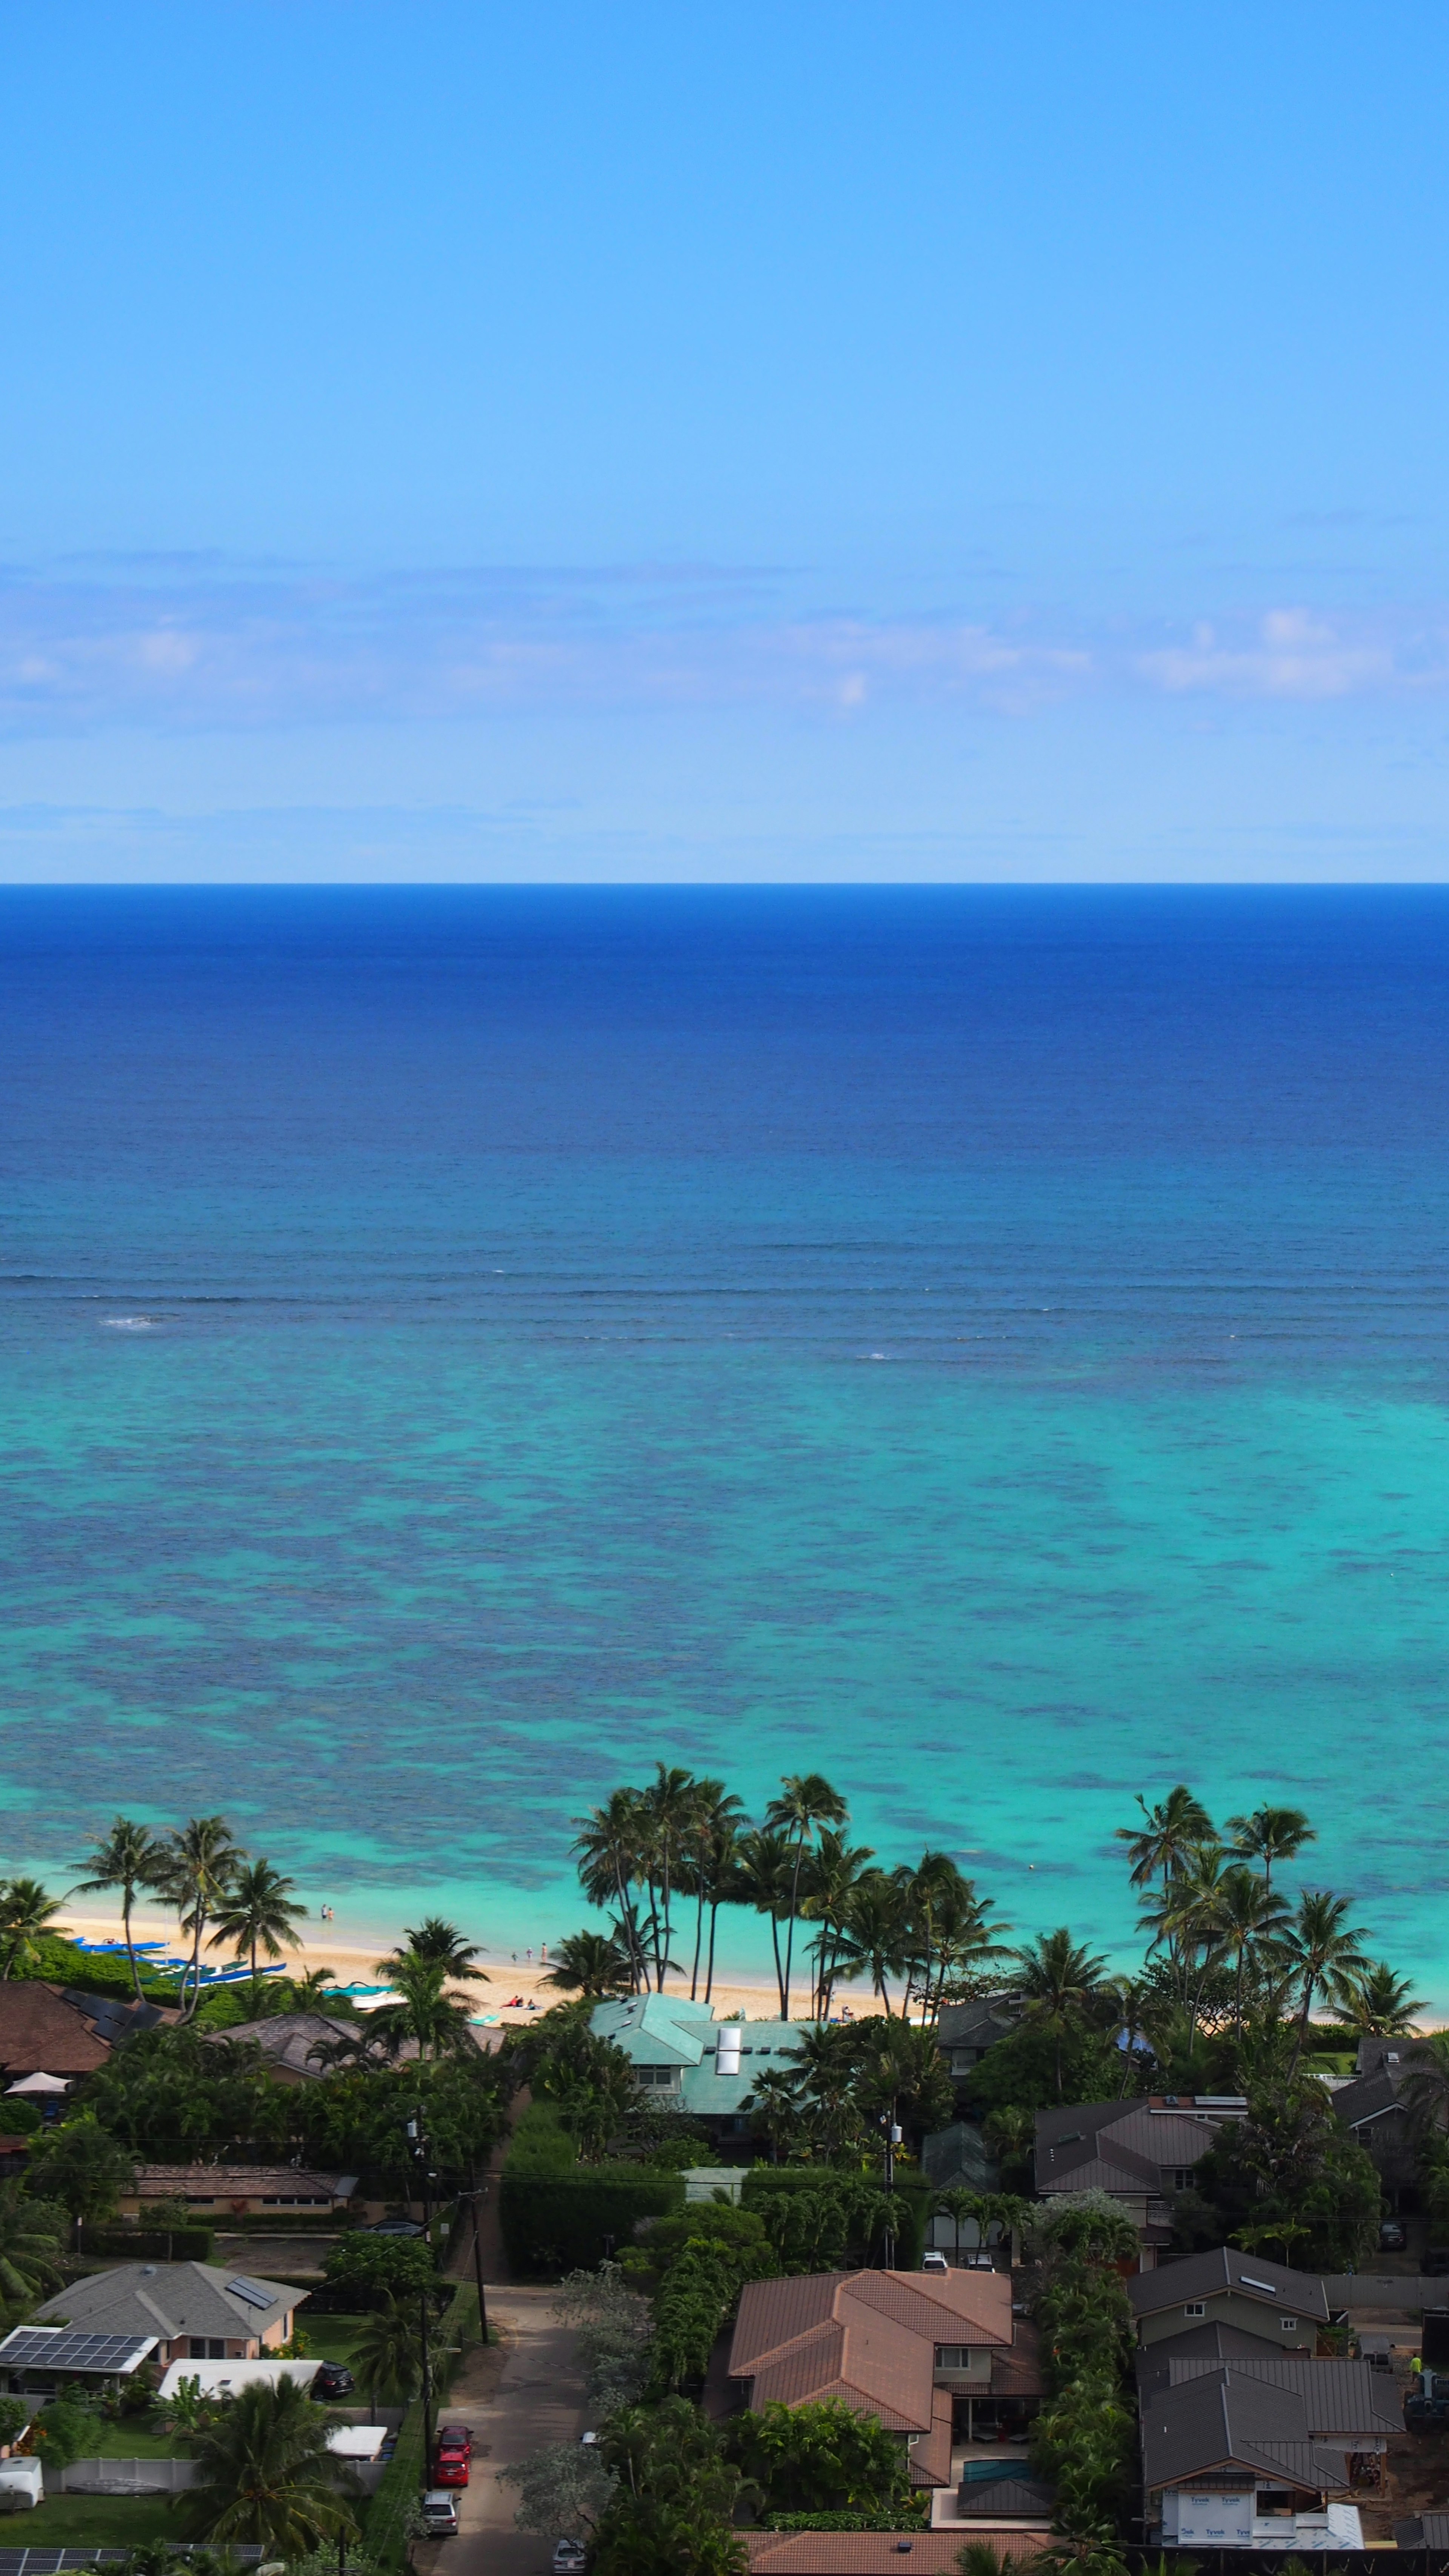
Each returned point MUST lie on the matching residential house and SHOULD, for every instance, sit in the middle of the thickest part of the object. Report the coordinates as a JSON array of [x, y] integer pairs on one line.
[[55, 2030], [926, 2353], [1368, 2105], [1423, 2531], [36, 2360], [239, 2191], [686, 2061], [295, 2045], [1263, 2450], [879, 2553], [964, 2032], [192, 2311], [1140, 2153], [1266, 2300]]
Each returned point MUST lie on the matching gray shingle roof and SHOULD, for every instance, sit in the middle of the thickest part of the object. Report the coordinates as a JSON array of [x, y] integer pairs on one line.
[[1222, 2421], [167, 2300], [1204, 2276]]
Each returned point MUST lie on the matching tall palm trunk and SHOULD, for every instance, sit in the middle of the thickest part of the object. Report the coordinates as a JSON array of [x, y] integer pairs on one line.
[[128, 1899], [714, 1906]]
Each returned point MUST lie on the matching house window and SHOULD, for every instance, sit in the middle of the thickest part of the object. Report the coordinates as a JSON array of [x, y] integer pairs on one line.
[[953, 2356], [1182, 2177], [1195, 2308], [207, 2348], [1289, 2324], [658, 2075]]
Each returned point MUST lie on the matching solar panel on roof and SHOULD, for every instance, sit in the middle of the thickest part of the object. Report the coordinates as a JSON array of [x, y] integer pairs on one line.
[[255, 2293], [41, 2348]]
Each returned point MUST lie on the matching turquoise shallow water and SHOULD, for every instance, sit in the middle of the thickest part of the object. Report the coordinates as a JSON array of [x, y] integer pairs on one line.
[[457, 1349]]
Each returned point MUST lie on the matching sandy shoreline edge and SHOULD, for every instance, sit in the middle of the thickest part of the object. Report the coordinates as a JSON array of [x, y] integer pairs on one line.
[[507, 1974]]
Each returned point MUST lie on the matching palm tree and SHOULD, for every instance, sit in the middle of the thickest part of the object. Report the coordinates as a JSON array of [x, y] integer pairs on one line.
[[713, 1835], [256, 1911], [29, 2251], [609, 1846], [440, 1944], [833, 1869], [127, 1859], [595, 1964], [27, 1913], [806, 1800], [436, 2016], [763, 1870], [1269, 1834], [1166, 1834], [1318, 1948], [774, 2098], [667, 1811], [1376, 2003], [195, 1871], [267, 2475], [1245, 1914], [957, 2204], [1183, 1919], [877, 1928], [1424, 2092], [387, 2352], [1058, 1979]]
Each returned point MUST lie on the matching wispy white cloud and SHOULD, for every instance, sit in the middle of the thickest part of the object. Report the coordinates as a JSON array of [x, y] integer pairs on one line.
[[176, 644]]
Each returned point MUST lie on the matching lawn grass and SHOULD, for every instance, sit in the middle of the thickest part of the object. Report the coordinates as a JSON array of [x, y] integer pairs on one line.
[[135, 2438], [331, 2338], [90, 2522]]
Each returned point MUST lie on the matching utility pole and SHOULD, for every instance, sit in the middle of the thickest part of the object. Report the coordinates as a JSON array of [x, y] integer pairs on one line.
[[475, 2195], [418, 2141]]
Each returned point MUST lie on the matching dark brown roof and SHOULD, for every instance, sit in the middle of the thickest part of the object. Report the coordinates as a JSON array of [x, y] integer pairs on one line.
[[1219, 2342], [877, 2553], [1343, 2400], [869, 2338], [1225, 2420], [240, 2182], [1023, 2499], [1116, 2146], [1211, 2275], [42, 2034]]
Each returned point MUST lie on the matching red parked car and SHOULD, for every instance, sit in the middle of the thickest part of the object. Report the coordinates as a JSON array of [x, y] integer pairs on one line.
[[451, 2469], [456, 2437]]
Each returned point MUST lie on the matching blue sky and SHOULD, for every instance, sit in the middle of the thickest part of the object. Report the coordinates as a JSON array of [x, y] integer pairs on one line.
[[652, 441]]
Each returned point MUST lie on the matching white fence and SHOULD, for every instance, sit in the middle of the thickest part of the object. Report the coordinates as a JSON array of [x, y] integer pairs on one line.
[[127, 2477]]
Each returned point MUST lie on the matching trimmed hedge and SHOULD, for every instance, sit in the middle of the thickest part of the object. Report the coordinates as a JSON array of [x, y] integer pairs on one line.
[[556, 2214], [914, 2197], [149, 2244]]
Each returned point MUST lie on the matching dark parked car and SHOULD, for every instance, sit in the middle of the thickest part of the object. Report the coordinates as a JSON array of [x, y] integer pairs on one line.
[[1436, 2262], [396, 2227], [1393, 2236], [331, 2380]]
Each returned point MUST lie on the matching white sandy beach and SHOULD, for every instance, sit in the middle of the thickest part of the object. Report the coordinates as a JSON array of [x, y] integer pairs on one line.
[[508, 1974]]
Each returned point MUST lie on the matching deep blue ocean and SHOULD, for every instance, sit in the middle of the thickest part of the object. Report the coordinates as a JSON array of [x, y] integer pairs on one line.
[[458, 1346]]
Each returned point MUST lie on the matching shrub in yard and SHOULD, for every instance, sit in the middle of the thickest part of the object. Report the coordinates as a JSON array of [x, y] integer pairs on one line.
[[369, 2269]]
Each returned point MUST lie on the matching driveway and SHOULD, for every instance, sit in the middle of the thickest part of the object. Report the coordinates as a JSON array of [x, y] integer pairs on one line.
[[516, 2400]]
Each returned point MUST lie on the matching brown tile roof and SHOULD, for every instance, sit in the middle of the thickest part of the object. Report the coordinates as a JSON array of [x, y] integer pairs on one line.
[[42, 2034], [869, 2338], [878, 2553], [931, 2455], [239, 2182]]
